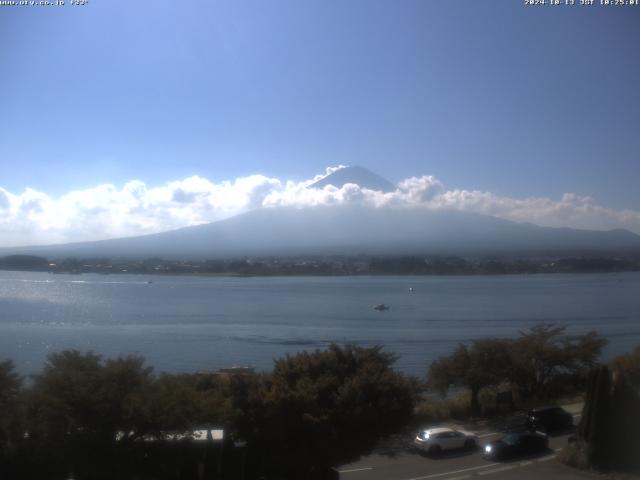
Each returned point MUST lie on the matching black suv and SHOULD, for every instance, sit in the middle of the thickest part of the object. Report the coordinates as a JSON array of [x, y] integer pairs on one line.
[[549, 419]]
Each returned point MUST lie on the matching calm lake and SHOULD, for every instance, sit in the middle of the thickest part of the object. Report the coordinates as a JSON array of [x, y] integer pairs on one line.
[[193, 323]]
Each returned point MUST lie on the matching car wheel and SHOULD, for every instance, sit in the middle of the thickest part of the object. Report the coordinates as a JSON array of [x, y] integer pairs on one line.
[[435, 450], [470, 444]]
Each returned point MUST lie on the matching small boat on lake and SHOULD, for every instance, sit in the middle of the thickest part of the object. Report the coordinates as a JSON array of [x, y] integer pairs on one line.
[[381, 307]]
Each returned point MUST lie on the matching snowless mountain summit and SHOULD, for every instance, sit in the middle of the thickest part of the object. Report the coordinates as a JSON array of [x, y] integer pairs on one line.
[[358, 175]]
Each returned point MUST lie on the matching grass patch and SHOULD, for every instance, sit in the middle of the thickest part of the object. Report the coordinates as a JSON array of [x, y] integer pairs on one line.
[[431, 410]]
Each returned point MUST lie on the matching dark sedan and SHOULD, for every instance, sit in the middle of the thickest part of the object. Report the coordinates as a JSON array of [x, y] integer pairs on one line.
[[516, 444], [549, 419]]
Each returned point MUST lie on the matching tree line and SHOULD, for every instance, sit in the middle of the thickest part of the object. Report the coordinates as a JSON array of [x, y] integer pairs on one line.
[[541, 363], [85, 416], [89, 417], [331, 265]]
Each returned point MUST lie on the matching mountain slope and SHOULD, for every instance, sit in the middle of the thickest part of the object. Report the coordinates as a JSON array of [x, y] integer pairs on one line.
[[349, 230]]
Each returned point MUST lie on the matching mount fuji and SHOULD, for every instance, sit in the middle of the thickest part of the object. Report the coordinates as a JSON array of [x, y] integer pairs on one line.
[[349, 229]]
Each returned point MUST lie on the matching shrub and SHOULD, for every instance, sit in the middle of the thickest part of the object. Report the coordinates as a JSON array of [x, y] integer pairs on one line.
[[575, 455]]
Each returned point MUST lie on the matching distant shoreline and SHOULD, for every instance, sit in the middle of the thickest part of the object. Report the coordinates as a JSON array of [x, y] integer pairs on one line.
[[312, 275], [329, 266]]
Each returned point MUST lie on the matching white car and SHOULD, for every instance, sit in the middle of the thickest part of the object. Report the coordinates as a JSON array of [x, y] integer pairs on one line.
[[436, 440]]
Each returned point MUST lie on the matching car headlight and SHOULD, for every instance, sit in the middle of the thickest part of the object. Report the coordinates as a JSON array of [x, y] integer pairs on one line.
[[487, 449]]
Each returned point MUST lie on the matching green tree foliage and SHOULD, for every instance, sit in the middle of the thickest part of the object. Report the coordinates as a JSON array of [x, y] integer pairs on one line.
[[248, 417], [10, 411], [325, 407], [80, 397], [481, 364], [109, 418], [88, 414], [173, 404], [80, 405]]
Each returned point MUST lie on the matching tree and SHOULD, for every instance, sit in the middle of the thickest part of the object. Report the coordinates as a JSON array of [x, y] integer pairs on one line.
[[321, 408], [124, 388], [629, 364], [10, 414], [533, 362], [481, 364], [80, 405], [80, 396], [173, 404], [544, 353], [88, 415]]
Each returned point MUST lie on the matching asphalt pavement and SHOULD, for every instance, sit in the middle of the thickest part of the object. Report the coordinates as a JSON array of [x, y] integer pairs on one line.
[[396, 459]]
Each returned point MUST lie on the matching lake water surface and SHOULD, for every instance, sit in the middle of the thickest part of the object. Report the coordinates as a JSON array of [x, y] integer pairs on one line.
[[192, 323]]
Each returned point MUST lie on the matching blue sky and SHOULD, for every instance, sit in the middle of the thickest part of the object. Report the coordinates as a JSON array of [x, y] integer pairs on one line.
[[491, 96]]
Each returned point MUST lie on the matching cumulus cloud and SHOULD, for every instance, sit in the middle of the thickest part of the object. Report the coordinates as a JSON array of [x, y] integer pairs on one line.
[[109, 211]]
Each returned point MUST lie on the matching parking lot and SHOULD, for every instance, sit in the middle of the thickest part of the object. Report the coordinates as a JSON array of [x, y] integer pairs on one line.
[[398, 460]]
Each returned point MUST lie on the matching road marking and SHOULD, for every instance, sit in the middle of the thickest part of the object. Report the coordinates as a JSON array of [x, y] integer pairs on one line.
[[455, 471], [503, 468], [496, 470], [352, 470], [545, 459]]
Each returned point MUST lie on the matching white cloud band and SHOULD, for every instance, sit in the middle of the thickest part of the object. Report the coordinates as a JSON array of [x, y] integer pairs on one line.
[[106, 211]]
